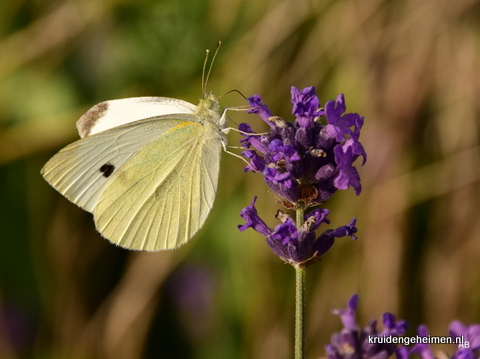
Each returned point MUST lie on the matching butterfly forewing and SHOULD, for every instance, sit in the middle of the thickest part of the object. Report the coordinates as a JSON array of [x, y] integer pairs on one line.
[[110, 114], [79, 171]]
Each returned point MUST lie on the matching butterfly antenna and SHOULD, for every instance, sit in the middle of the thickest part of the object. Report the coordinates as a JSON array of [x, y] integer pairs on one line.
[[204, 84], [209, 69], [241, 94]]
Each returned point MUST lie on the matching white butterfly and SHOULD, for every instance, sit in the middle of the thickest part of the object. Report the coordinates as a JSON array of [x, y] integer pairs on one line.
[[146, 168]]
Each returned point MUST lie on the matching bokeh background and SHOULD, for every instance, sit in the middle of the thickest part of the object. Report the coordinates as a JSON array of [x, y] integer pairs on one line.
[[412, 68]]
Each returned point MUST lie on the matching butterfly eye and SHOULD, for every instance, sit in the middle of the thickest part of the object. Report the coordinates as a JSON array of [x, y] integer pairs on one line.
[[208, 103]]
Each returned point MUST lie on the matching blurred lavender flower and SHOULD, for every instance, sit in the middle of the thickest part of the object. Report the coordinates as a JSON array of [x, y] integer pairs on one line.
[[470, 349], [471, 334], [17, 327], [303, 162], [192, 290], [354, 343], [351, 343]]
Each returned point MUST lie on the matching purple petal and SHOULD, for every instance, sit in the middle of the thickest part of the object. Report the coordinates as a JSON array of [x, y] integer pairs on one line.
[[347, 315], [332, 352], [347, 230], [339, 124], [280, 151], [347, 175], [392, 326], [250, 215], [423, 350], [305, 105], [325, 241], [470, 333], [358, 123], [257, 163], [272, 175], [256, 141], [285, 232], [356, 149], [402, 353], [457, 329], [320, 215], [259, 108]]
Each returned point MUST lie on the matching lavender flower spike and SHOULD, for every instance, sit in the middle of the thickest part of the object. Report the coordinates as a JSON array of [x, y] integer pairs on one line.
[[304, 163], [353, 342], [299, 247], [309, 159]]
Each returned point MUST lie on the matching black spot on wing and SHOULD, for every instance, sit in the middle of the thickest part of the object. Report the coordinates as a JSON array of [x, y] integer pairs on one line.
[[107, 169]]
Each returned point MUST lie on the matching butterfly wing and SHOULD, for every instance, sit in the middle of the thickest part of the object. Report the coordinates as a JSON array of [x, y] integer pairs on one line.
[[82, 170], [75, 170], [161, 197], [149, 183], [109, 114]]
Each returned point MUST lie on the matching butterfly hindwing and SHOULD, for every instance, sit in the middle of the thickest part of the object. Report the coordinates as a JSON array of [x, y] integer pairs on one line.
[[163, 194]]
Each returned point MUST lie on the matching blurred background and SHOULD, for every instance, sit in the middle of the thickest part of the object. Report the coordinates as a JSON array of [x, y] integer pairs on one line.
[[410, 67]]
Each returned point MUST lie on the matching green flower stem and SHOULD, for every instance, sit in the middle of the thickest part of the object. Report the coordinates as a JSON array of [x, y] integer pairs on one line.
[[300, 304], [300, 313], [300, 214]]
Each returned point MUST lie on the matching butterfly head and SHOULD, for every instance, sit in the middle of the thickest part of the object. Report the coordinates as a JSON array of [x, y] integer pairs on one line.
[[207, 105], [210, 102]]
